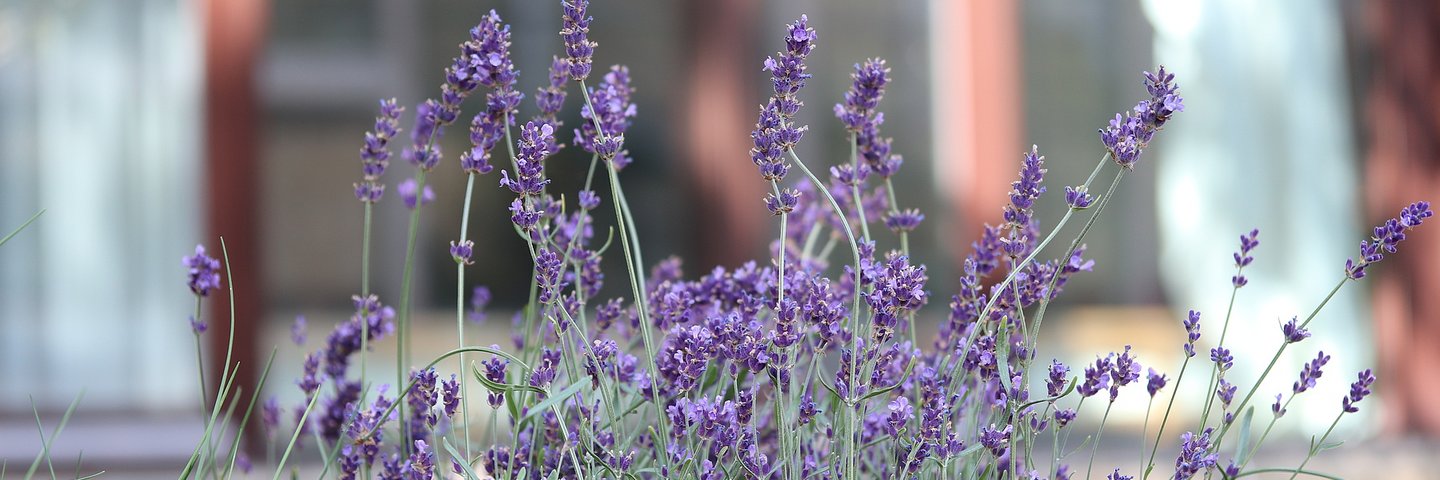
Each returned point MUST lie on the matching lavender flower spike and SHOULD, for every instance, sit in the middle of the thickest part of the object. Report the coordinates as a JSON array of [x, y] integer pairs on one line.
[[1192, 331], [375, 155], [1387, 236], [613, 111], [575, 31], [1243, 258], [774, 133], [1127, 136], [1358, 391], [204, 272]]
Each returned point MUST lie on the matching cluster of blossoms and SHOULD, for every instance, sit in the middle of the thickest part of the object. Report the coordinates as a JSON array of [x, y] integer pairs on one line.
[[1127, 136], [792, 367]]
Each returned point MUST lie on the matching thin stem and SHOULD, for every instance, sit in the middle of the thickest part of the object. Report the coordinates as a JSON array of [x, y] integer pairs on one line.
[[1095, 446], [1150, 464], [200, 361], [460, 311], [365, 289], [1273, 420], [854, 190], [1316, 447], [294, 436], [21, 227], [1215, 368], [402, 333]]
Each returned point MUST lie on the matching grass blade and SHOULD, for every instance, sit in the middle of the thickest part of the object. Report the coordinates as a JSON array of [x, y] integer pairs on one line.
[[293, 437], [64, 420], [22, 227], [45, 449], [245, 420]]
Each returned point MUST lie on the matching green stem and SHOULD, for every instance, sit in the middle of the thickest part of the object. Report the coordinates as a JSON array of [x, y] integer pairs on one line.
[[1214, 368], [1095, 446], [21, 227], [1150, 464], [1316, 448], [460, 312], [200, 360], [402, 333], [365, 289]]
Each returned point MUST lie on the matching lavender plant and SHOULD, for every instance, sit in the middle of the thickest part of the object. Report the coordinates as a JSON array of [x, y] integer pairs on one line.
[[803, 365]]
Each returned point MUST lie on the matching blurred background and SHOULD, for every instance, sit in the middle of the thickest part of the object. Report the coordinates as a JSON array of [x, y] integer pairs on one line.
[[144, 127]]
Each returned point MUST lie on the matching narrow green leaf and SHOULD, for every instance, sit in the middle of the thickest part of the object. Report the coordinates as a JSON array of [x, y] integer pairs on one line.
[[281, 467], [465, 465], [22, 227], [64, 420], [245, 420], [93, 475], [45, 449], [551, 402], [1242, 445]]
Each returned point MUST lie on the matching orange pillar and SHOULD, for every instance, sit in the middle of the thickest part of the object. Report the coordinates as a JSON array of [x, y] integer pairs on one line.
[[977, 91]]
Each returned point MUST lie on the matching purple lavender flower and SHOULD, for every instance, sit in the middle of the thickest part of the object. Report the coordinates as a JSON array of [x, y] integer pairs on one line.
[[1195, 456], [1155, 382], [808, 408], [310, 381], [1124, 371], [422, 462], [900, 414], [613, 111], [551, 98], [1127, 136], [589, 200], [867, 87], [1276, 408], [375, 155], [1222, 358], [1310, 373], [461, 251], [1243, 258], [774, 133], [784, 203], [479, 299], [1097, 376], [575, 30], [198, 326], [270, 415], [408, 194], [204, 272], [1294, 333], [547, 275], [1063, 417], [996, 440], [1055, 384], [1226, 392], [530, 155], [1358, 391], [297, 331], [1387, 237], [1118, 476], [421, 399], [450, 390], [1192, 332], [1078, 197], [1027, 189], [495, 372], [904, 220]]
